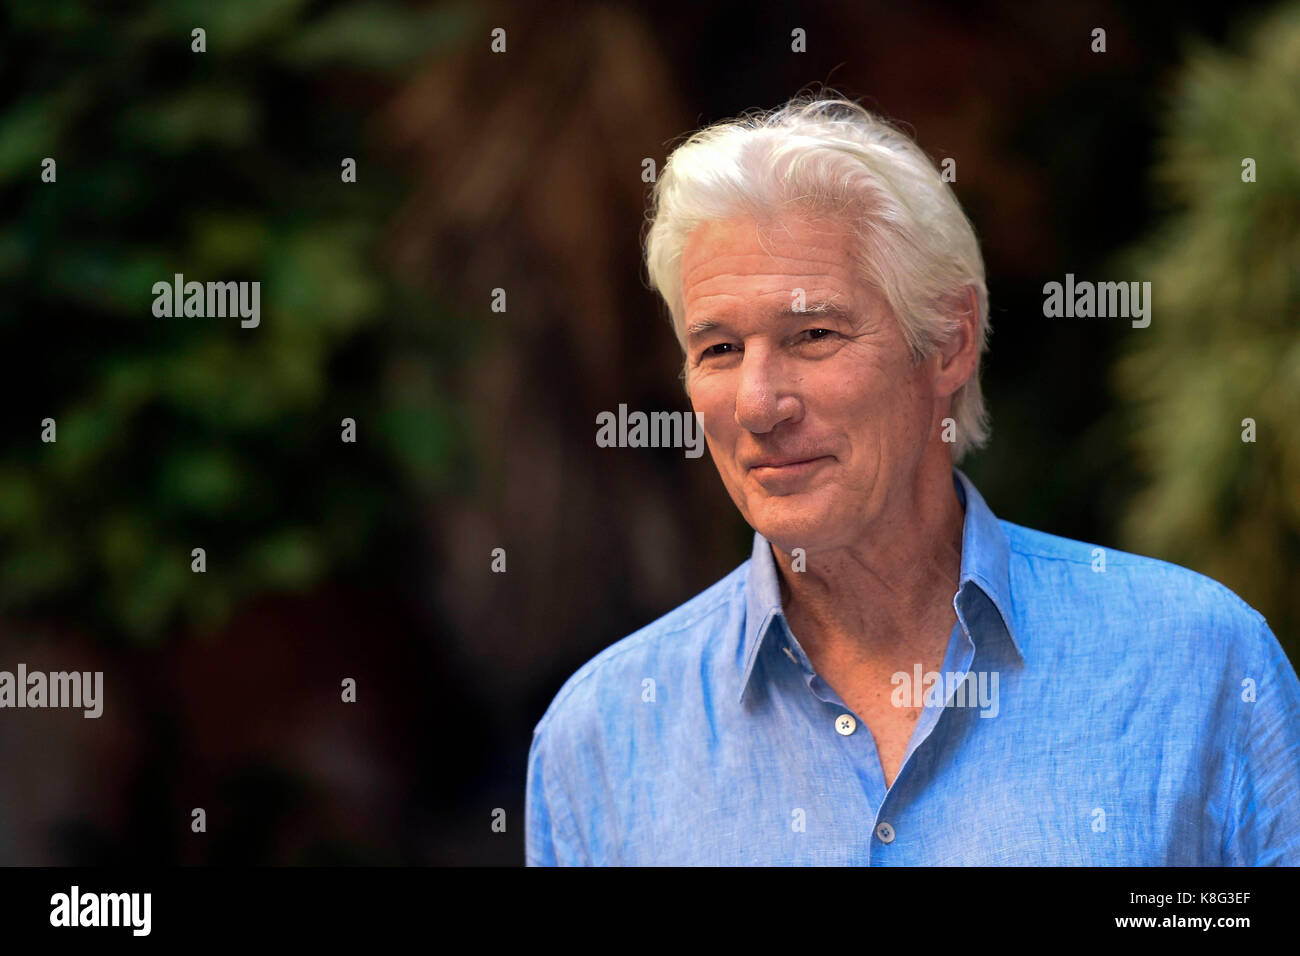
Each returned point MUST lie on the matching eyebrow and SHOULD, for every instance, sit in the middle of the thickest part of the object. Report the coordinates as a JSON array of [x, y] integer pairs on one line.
[[820, 307]]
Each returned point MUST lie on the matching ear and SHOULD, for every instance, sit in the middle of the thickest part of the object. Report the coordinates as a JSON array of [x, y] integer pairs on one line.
[[958, 355]]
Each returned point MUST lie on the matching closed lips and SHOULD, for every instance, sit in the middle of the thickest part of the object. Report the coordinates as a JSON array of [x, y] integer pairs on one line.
[[785, 462]]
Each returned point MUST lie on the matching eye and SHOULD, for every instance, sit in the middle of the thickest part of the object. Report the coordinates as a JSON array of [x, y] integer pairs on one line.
[[816, 335], [719, 349]]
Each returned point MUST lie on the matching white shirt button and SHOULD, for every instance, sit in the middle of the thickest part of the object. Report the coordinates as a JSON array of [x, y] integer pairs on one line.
[[885, 832], [845, 724]]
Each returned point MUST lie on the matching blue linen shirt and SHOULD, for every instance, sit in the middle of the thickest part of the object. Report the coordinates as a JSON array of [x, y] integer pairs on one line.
[[1143, 715]]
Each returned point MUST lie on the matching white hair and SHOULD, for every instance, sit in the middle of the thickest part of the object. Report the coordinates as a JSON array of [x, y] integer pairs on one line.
[[832, 157]]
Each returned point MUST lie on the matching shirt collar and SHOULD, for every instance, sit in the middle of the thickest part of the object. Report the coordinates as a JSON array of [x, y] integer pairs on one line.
[[982, 602]]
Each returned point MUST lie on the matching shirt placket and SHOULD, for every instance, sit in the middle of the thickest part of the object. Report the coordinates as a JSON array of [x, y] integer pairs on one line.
[[839, 718]]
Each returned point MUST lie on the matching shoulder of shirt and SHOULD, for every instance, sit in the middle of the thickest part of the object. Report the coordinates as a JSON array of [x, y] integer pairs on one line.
[[1173, 581], [715, 601]]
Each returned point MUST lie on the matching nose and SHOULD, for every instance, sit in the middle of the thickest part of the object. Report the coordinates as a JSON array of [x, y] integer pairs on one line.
[[764, 398]]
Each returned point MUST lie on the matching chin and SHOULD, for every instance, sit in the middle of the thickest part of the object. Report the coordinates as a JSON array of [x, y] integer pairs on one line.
[[793, 527]]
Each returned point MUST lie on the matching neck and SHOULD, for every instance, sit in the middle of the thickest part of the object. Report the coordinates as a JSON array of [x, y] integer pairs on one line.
[[888, 596]]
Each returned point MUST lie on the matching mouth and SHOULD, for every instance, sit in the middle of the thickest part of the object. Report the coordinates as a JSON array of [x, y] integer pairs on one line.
[[786, 467]]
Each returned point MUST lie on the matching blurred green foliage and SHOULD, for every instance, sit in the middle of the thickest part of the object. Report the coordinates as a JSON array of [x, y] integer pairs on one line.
[[177, 433], [1224, 340]]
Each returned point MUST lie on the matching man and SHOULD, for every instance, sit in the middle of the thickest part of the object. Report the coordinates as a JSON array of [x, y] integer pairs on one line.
[[895, 676]]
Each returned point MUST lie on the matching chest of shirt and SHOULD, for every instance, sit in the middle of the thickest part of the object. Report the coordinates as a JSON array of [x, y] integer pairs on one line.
[[788, 787]]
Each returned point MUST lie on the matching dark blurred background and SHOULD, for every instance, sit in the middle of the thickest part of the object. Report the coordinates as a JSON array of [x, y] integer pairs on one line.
[[522, 171]]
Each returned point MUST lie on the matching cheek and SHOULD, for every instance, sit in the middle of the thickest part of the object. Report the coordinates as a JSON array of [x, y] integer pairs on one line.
[[884, 396], [852, 401], [874, 412], [714, 403]]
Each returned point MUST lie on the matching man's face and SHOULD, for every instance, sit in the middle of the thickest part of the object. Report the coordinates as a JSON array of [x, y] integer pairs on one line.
[[813, 418]]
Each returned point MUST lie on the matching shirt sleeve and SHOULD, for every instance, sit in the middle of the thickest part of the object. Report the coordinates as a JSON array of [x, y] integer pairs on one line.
[[1264, 826], [550, 836]]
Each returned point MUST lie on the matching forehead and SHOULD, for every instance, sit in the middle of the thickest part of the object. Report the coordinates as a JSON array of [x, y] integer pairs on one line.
[[742, 258]]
